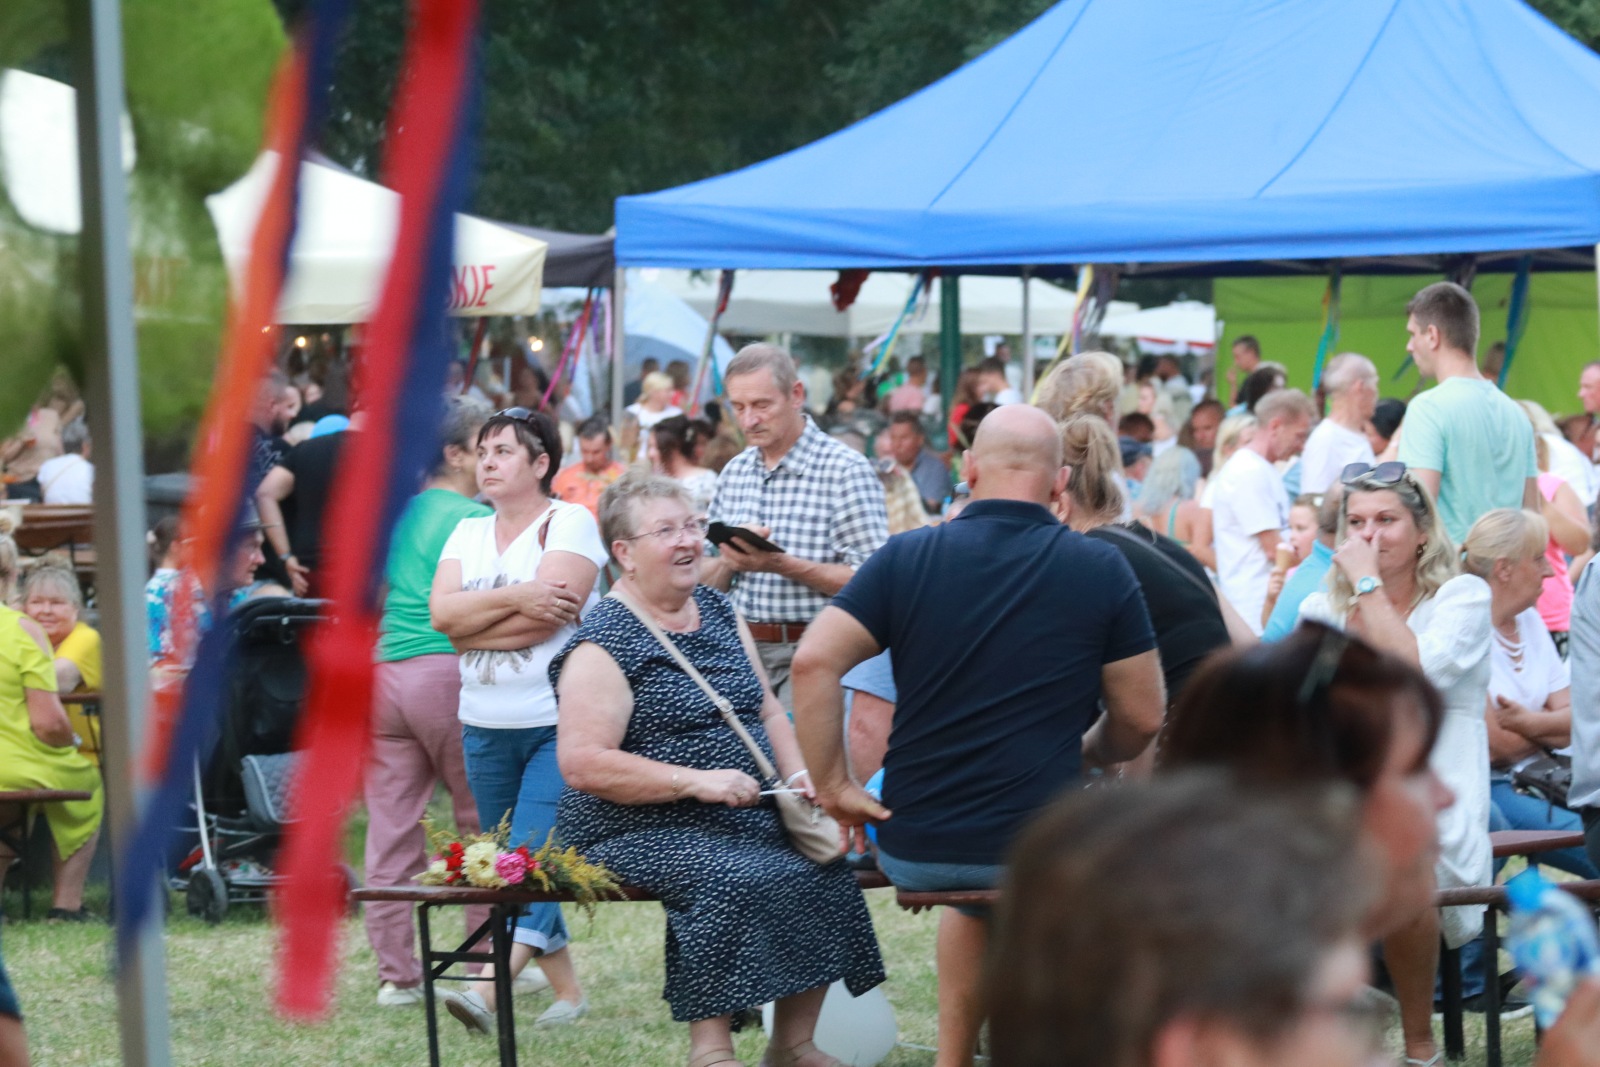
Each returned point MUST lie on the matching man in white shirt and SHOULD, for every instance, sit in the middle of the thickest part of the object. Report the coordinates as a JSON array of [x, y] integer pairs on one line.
[[993, 385], [1351, 383], [1250, 508], [69, 477]]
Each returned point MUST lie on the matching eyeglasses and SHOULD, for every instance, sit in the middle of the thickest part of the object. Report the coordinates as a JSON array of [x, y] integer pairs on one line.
[[695, 528], [1390, 473]]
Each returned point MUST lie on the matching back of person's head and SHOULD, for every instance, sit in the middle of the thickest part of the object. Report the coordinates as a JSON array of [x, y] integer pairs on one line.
[[678, 371], [1328, 512], [1504, 534], [1090, 448], [1290, 405], [676, 438], [655, 382], [1451, 309], [967, 387], [8, 568], [537, 432], [74, 435], [1015, 455], [1389, 414], [1538, 416], [1234, 431], [1345, 370], [768, 357], [649, 365], [162, 535], [1266, 378], [1129, 909], [463, 416], [967, 428], [1318, 706], [1136, 425], [1171, 478], [1088, 381]]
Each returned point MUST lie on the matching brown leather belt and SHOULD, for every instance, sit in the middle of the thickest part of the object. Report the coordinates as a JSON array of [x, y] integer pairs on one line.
[[777, 633]]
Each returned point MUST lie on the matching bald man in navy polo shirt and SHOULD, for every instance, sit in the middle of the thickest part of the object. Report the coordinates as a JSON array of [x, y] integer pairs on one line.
[[1007, 631]]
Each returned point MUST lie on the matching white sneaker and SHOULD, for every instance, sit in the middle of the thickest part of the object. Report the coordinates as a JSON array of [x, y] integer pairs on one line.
[[530, 981], [563, 1012], [470, 1009], [395, 996]]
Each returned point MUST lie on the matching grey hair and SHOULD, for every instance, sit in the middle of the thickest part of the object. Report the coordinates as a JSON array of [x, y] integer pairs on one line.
[[464, 416], [1172, 477], [8, 566], [52, 574], [1284, 404], [1345, 370], [619, 504], [764, 356], [74, 435]]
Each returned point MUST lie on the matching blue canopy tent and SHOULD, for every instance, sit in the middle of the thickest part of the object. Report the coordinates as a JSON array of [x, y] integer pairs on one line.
[[1164, 133]]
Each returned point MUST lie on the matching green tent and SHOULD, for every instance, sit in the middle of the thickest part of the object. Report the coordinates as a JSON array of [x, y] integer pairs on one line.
[[1286, 315]]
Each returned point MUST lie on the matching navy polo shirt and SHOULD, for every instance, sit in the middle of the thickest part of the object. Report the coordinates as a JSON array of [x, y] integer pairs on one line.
[[999, 622]]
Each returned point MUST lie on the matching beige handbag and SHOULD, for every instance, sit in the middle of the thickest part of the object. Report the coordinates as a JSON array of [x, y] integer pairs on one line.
[[814, 833]]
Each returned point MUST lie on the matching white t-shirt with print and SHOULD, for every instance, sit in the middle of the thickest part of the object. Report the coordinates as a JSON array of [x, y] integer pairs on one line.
[[1247, 498], [1329, 450], [506, 690]]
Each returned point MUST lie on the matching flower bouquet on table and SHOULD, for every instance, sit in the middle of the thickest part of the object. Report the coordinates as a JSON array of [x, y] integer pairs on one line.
[[487, 861]]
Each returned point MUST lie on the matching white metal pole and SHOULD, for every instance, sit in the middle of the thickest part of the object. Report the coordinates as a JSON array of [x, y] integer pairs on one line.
[[111, 362], [1027, 333], [619, 346]]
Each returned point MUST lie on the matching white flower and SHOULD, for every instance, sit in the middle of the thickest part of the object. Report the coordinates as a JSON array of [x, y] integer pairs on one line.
[[438, 873], [477, 863]]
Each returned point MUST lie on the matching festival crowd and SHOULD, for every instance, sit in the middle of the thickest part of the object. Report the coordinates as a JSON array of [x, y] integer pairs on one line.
[[1307, 649]]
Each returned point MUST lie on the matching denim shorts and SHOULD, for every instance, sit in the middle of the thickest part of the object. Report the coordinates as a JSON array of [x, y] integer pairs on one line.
[[932, 877]]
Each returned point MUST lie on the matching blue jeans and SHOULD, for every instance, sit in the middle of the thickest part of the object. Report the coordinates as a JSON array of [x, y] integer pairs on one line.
[[515, 771], [1512, 810], [928, 877]]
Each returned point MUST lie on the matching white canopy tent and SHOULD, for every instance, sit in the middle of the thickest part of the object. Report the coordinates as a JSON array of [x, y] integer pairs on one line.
[[798, 301], [346, 238], [1182, 328]]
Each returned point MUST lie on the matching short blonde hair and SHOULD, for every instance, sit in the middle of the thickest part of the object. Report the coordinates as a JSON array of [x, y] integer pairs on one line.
[[1231, 434], [1504, 533], [654, 381], [1088, 382]]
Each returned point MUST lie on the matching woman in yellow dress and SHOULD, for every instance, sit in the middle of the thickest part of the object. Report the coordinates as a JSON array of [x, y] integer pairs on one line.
[[38, 749], [51, 598]]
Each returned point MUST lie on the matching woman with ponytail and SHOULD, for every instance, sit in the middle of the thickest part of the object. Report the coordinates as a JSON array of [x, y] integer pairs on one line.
[[671, 450]]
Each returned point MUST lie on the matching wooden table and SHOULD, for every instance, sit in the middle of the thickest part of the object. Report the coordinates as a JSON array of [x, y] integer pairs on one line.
[[14, 834]]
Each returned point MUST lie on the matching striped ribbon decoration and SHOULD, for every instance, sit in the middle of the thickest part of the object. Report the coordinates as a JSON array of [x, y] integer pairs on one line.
[[399, 379], [212, 516]]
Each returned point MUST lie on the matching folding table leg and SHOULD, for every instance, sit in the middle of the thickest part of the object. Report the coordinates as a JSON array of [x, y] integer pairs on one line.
[[1455, 1038], [502, 915], [427, 987]]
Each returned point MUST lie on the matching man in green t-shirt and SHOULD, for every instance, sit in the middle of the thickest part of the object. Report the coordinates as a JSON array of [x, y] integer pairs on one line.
[[1464, 439]]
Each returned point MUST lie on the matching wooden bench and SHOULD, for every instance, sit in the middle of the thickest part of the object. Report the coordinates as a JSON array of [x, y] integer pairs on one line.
[[503, 906], [14, 834]]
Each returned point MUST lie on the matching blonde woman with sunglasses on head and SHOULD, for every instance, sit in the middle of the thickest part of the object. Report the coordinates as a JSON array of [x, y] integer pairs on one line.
[[1396, 583]]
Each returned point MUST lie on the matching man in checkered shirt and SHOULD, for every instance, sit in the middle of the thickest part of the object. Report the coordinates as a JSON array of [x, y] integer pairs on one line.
[[815, 498]]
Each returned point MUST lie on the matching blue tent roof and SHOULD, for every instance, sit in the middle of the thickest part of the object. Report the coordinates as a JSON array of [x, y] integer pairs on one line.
[[1170, 131]]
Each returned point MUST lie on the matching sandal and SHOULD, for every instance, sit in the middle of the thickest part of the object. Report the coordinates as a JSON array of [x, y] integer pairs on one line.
[[714, 1057], [791, 1057], [1432, 1061]]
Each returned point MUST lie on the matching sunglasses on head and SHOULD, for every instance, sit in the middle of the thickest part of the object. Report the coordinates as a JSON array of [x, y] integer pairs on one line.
[[1390, 473], [521, 414]]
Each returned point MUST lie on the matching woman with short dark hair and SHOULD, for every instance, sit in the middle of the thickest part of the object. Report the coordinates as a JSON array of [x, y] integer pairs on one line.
[[508, 592]]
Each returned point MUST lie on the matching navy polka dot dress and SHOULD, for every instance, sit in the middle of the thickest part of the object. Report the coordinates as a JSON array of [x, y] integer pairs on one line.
[[749, 919]]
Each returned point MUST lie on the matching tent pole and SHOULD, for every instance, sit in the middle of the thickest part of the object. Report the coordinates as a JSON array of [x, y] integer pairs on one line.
[[949, 339], [1027, 333], [619, 346], [111, 364]]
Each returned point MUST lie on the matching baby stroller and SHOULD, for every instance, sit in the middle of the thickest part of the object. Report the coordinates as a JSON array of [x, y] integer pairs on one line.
[[241, 787]]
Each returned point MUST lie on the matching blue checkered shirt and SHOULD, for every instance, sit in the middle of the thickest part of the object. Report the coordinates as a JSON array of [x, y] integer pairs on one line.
[[823, 502]]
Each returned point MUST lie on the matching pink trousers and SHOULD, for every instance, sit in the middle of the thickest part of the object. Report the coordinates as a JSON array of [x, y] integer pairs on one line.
[[416, 743]]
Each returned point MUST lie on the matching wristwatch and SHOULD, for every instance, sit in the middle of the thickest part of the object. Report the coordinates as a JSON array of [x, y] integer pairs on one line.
[[1369, 584]]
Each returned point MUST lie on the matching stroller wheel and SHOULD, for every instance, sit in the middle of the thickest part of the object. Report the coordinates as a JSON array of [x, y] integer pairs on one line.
[[207, 895]]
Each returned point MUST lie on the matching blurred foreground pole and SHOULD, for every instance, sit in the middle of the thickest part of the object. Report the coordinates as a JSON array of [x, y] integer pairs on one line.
[[111, 363], [619, 347], [1027, 335], [949, 339]]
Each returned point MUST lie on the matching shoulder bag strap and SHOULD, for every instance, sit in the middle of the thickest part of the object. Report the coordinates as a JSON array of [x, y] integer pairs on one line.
[[1128, 535], [724, 706]]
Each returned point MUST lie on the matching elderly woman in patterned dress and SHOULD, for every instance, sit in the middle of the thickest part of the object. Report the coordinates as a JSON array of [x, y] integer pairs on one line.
[[662, 791]]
